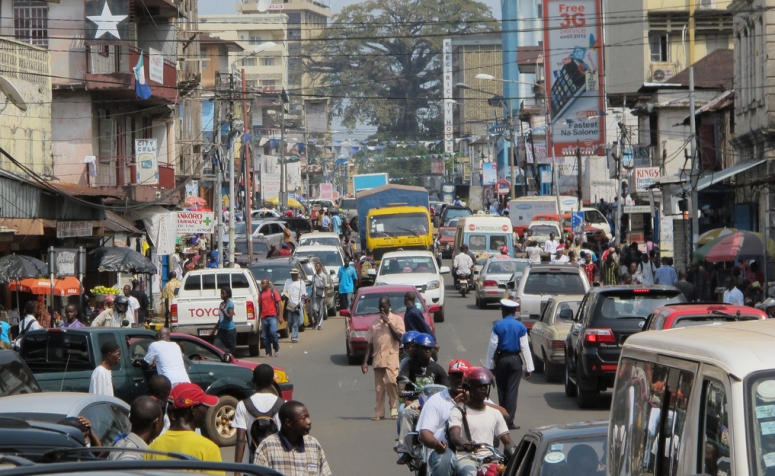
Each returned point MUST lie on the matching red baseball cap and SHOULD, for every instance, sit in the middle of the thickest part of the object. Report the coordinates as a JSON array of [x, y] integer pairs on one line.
[[187, 395], [458, 366]]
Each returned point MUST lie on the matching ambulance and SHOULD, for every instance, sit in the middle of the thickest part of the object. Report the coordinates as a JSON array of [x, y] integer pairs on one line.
[[484, 235]]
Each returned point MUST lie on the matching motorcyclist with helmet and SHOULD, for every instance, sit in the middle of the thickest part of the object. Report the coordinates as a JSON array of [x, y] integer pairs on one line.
[[419, 371], [475, 423], [115, 316], [408, 349]]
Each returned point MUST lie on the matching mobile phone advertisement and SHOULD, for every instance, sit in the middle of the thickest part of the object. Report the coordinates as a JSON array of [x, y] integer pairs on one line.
[[573, 52]]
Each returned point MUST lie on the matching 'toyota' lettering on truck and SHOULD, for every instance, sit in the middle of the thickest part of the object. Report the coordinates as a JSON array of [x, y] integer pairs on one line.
[[200, 312]]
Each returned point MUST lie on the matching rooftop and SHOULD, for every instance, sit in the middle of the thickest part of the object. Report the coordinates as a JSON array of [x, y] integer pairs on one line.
[[714, 71]]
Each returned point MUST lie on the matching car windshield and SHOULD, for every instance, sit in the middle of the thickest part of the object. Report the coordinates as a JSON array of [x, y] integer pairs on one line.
[[504, 266], [319, 241], [330, 259], [348, 204], [239, 228], [543, 229], [760, 421], [415, 224], [637, 303], [416, 264], [448, 233], [369, 303], [552, 282], [259, 247], [451, 213], [276, 273], [691, 321], [577, 456]]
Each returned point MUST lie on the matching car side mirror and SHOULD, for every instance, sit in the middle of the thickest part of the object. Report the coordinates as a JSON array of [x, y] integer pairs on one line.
[[371, 272], [227, 358], [344, 312], [444, 270], [511, 285], [566, 315], [434, 309]]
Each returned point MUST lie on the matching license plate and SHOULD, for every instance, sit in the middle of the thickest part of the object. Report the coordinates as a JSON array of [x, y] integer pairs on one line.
[[462, 281], [205, 332]]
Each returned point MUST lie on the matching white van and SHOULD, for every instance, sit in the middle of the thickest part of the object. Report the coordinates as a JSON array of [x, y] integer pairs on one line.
[[195, 310], [695, 400], [484, 235], [523, 209]]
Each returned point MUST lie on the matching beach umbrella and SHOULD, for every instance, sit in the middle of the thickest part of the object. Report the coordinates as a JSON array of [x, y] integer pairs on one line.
[[740, 245], [711, 235], [18, 267]]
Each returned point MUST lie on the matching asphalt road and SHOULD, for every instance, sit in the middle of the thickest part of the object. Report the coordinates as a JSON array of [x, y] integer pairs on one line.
[[341, 399]]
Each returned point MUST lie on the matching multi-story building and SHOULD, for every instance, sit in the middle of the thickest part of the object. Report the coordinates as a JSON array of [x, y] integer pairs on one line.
[[269, 68]]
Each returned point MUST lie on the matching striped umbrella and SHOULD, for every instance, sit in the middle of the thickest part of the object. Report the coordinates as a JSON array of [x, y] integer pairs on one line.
[[741, 245], [711, 235]]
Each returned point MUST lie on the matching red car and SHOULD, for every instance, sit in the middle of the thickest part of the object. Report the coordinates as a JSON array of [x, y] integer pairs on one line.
[[197, 349], [447, 240], [365, 310], [696, 314]]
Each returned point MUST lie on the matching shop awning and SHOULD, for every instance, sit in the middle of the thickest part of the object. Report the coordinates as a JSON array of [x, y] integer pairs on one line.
[[115, 224], [717, 177]]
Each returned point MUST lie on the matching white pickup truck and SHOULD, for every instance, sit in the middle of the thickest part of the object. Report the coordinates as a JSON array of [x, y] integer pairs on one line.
[[195, 309]]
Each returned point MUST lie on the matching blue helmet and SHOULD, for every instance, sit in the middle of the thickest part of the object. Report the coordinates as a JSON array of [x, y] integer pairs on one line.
[[409, 337], [424, 340]]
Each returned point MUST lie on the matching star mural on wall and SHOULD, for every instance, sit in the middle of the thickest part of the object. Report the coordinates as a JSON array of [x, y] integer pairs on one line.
[[107, 22]]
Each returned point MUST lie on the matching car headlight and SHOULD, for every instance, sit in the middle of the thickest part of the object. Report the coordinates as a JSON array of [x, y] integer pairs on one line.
[[380, 283], [358, 334], [435, 284]]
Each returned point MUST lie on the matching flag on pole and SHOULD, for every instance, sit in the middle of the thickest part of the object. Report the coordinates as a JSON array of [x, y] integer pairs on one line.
[[142, 90]]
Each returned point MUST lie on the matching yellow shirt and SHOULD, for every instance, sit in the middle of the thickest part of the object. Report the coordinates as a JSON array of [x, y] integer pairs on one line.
[[169, 289], [186, 442]]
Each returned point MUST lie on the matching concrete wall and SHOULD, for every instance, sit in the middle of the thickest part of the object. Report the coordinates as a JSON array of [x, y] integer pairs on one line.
[[72, 136], [68, 55]]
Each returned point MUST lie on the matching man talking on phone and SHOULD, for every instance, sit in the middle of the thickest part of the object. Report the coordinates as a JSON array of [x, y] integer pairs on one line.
[[384, 338]]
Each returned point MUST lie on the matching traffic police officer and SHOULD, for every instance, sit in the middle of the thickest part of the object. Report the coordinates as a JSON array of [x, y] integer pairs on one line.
[[507, 341]]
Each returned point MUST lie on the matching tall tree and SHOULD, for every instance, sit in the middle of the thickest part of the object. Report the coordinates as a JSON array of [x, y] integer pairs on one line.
[[380, 61]]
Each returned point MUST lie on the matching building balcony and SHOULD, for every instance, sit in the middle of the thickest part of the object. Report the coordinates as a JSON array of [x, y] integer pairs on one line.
[[116, 178], [110, 70]]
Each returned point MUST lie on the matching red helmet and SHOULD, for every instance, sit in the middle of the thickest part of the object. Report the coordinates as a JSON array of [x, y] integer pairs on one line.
[[477, 376], [459, 366], [504, 250]]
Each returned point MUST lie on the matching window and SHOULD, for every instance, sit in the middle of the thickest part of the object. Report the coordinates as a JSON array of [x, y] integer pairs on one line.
[[107, 420], [660, 47], [193, 283], [16, 379], [551, 282], [239, 281], [30, 21], [587, 459], [251, 83], [53, 352], [255, 40], [294, 34], [294, 18], [268, 82], [249, 62], [208, 281], [477, 242], [416, 264], [267, 61], [197, 351], [714, 445], [571, 305], [595, 217], [224, 279], [760, 421]]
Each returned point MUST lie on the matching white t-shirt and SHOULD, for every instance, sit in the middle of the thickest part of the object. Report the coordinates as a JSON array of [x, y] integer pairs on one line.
[[296, 290], [463, 263], [534, 254], [551, 246], [435, 413], [243, 419], [26, 320], [485, 425], [101, 382], [169, 361], [561, 259], [133, 306], [735, 296]]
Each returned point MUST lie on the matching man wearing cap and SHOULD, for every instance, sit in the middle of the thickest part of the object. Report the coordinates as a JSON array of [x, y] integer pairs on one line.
[[508, 341], [560, 257], [295, 293], [188, 409]]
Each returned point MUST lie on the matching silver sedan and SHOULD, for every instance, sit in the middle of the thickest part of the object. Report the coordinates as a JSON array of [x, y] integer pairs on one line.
[[496, 272]]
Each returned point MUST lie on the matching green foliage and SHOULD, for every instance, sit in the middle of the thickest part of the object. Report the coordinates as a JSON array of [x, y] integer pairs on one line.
[[380, 61]]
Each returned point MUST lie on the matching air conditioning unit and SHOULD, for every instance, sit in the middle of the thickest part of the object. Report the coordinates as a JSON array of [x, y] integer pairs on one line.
[[707, 5], [662, 72]]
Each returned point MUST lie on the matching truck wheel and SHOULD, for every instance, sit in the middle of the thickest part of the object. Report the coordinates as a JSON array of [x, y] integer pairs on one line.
[[439, 316], [570, 387], [253, 349], [218, 421], [586, 399]]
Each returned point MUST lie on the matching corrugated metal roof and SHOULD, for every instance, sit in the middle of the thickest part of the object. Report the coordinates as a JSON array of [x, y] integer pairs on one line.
[[116, 224], [22, 198], [81, 191]]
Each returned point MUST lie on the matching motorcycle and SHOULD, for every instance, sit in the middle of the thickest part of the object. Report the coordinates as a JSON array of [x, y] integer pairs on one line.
[[416, 449], [465, 283], [492, 464]]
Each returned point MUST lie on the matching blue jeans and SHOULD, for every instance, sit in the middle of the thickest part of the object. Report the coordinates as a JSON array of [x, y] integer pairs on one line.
[[294, 320], [442, 464], [269, 334], [465, 467]]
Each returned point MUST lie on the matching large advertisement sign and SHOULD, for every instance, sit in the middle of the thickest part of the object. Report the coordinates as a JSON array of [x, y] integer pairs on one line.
[[574, 75], [147, 164], [448, 95]]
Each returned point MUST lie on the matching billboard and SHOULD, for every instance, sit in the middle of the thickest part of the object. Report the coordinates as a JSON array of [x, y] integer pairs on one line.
[[147, 164], [449, 142], [574, 75], [645, 177], [195, 222], [489, 173]]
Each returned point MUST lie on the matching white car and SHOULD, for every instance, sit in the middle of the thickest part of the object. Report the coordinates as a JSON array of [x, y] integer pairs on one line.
[[317, 238], [265, 213], [331, 257], [417, 268], [542, 229]]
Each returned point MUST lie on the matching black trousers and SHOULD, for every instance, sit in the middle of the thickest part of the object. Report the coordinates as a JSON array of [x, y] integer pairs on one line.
[[226, 340], [508, 374]]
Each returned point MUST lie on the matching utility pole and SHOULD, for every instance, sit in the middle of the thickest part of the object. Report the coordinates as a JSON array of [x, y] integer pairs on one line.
[[283, 185], [218, 177], [246, 160], [618, 216], [513, 187], [578, 175], [695, 166], [232, 218]]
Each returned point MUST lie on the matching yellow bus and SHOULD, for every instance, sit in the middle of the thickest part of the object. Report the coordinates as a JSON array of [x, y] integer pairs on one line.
[[401, 226]]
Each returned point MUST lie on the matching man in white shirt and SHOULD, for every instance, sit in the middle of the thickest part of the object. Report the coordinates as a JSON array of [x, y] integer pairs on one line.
[[560, 256], [550, 245], [28, 322], [167, 357], [134, 304], [101, 382], [462, 263], [433, 418], [264, 400], [533, 252], [484, 423], [296, 293], [733, 295]]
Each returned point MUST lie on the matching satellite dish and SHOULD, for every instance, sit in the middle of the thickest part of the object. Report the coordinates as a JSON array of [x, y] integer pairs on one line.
[[263, 5], [12, 94]]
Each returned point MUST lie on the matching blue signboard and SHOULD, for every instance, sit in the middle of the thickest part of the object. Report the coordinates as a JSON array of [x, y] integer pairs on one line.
[[577, 222]]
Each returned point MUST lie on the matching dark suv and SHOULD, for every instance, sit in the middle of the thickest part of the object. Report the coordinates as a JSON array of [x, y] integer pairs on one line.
[[607, 316]]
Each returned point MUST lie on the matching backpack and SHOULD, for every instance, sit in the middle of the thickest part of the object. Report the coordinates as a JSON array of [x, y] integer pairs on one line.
[[367, 264], [263, 425], [466, 429]]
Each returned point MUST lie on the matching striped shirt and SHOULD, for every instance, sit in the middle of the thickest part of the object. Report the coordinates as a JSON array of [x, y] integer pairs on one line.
[[277, 453], [609, 273]]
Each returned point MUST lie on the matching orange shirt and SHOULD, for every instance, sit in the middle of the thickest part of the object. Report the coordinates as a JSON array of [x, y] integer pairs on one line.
[[385, 346]]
